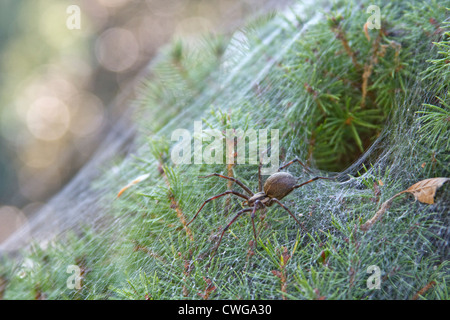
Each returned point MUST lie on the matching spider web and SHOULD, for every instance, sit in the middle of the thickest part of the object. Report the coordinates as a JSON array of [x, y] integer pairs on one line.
[[139, 246]]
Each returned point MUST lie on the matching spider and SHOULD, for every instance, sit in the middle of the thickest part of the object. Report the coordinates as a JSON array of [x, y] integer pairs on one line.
[[276, 187]]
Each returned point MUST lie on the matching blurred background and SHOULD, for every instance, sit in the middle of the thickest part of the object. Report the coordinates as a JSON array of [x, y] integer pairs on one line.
[[57, 83]]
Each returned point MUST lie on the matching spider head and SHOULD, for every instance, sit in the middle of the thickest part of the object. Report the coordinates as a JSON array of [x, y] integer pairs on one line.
[[261, 196]]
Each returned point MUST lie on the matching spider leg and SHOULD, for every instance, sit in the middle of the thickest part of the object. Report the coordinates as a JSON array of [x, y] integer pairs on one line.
[[243, 186], [218, 196], [291, 162], [310, 180], [255, 207], [229, 224], [292, 215]]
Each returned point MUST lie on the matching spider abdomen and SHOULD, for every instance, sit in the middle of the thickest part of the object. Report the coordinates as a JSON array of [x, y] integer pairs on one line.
[[279, 185]]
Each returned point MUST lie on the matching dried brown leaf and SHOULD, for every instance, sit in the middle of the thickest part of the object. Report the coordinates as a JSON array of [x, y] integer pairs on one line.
[[424, 191]]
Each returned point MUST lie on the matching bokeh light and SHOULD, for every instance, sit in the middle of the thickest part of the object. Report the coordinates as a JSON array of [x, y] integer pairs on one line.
[[12, 219], [48, 118], [58, 85], [117, 49]]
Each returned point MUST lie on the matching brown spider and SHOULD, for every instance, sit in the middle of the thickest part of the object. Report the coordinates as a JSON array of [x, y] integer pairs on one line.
[[276, 187]]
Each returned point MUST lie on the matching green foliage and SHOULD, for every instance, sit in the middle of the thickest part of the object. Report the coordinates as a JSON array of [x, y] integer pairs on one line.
[[434, 120], [351, 79], [305, 79]]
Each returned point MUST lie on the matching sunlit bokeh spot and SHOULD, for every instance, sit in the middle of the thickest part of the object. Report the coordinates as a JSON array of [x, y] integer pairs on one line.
[[48, 118], [117, 49], [11, 220]]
